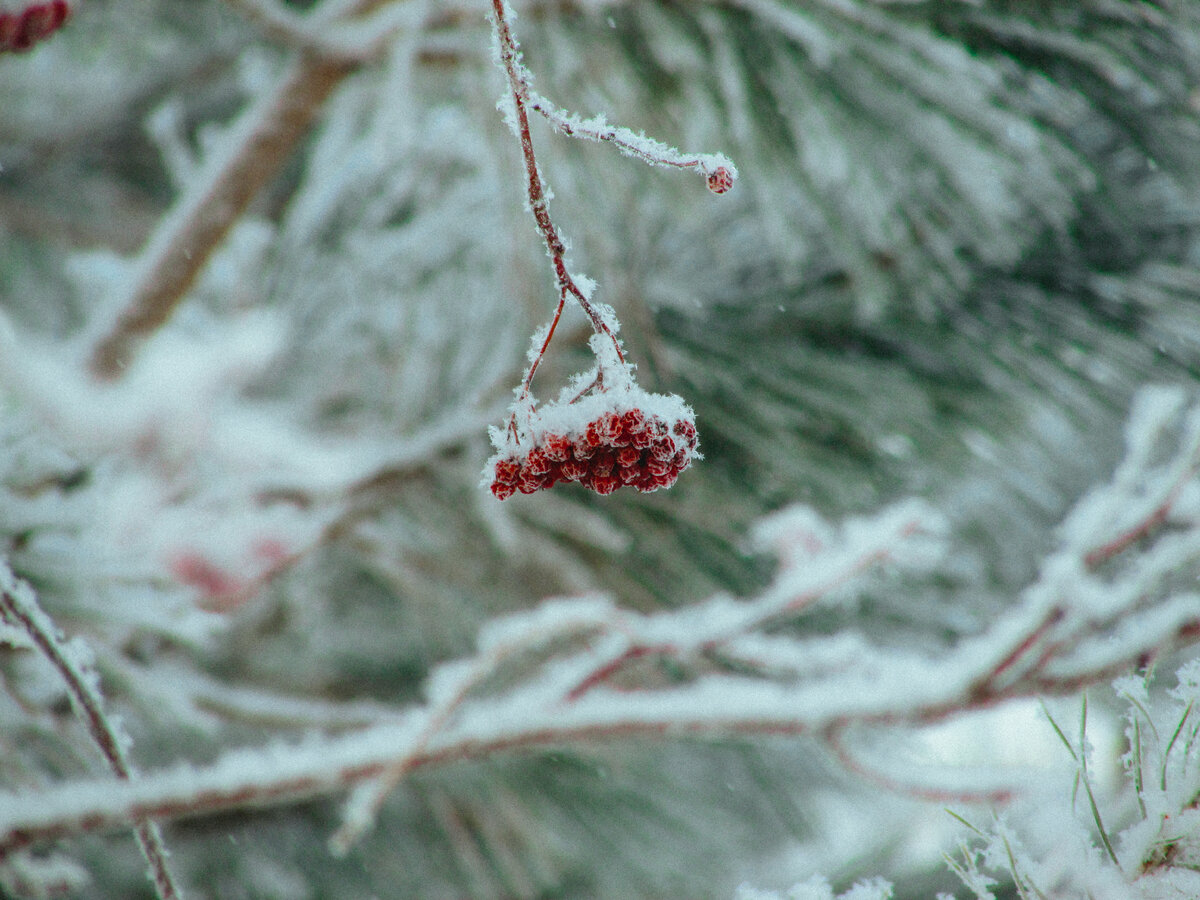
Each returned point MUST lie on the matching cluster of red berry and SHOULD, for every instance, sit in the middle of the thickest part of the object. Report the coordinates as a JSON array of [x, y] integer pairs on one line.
[[22, 29], [629, 448]]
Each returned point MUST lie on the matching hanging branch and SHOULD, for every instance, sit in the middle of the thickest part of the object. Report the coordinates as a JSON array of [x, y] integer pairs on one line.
[[604, 432], [72, 661], [518, 84]]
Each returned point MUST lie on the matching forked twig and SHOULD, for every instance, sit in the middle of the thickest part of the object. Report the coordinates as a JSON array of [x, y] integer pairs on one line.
[[718, 170]]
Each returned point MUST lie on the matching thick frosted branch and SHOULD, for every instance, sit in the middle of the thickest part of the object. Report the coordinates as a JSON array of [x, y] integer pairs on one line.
[[579, 659]]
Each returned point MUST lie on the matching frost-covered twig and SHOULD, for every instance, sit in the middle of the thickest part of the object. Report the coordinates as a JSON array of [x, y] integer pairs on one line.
[[73, 663], [718, 169], [518, 85]]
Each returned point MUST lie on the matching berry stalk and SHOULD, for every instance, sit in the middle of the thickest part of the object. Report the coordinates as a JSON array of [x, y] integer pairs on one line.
[[518, 84]]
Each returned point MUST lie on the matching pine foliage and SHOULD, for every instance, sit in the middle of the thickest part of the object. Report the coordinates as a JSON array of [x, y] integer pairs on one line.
[[965, 237]]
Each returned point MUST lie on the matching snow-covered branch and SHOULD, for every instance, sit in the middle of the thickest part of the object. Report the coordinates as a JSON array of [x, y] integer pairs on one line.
[[588, 665], [73, 661]]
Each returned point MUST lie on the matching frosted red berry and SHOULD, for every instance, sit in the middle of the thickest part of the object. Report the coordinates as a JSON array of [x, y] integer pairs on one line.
[[686, 430], [537, 462], [720, 180], [573, 469], [23, 29], [603, 462], [557, 447], [604, 484], [507, 471]]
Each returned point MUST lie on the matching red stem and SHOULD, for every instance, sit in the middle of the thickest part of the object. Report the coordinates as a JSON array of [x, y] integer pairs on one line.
[[538, 203]]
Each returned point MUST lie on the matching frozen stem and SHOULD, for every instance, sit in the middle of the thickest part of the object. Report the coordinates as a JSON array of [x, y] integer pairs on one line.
[[518, 85], [20, 608], [718, 169]]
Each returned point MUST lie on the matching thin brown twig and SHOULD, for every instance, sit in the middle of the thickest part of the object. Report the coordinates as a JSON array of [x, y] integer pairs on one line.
[[538, 201], [89, 705]]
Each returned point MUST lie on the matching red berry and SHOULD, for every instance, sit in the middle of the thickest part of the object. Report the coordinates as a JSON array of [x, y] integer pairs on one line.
[[629, 474], [628, 456], [583, 448], [603, 462], [646, 484], [573, 469], [662, 449], [537, 462], [557, 447], [720, 180], [508, 470], [685, 430], [529, 482], [21, 30], [605, 430], [656, 466], [502, 491], [604, 484], [632, 423]]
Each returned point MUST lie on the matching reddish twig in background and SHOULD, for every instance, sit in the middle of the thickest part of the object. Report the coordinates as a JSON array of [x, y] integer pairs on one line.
[[1056, 640], [833, 737], [1142, 529], [263, 141], [18, 605], [336, 764], [191, 233]]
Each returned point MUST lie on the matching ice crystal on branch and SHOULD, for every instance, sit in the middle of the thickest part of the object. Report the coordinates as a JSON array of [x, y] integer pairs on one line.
[[611, 433]]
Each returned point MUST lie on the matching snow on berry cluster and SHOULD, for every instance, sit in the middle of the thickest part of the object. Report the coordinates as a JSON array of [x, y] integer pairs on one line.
[[24, 27], [602, 441]]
